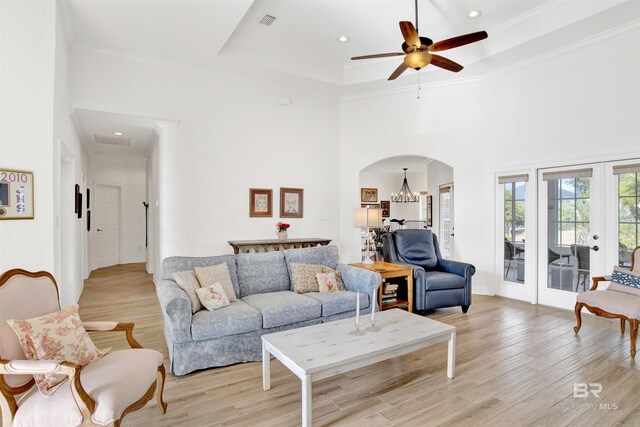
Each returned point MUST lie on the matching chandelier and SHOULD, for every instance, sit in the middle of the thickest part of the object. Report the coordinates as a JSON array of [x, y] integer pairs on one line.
[[405, 195]]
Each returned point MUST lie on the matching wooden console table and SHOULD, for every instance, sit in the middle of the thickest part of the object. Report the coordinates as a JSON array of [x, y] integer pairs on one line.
[[248, 246]]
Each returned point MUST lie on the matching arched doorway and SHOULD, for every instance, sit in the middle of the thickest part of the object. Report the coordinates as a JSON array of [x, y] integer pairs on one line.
[[432, 182]]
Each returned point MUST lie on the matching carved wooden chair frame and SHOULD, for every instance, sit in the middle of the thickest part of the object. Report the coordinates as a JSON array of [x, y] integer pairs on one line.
[[633, 323], [86, 405]]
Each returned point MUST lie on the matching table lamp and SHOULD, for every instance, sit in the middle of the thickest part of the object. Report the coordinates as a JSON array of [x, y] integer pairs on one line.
[[368, 218]]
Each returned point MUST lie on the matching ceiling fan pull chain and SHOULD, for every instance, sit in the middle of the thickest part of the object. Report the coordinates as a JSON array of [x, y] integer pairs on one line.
[[419, 88]]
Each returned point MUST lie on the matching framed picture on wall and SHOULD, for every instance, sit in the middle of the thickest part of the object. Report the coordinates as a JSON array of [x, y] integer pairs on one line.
[[260, 202], [77, 205], [386, 208], [291, 202], [369, 195], [429, 211], [16, 194]]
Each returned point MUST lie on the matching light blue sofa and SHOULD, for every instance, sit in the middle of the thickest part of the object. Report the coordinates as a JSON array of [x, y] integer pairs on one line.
[[266, 303]]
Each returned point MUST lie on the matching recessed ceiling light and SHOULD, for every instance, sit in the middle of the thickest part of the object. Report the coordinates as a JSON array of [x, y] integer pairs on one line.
[[343, 39], [118, 133], [474, 13]]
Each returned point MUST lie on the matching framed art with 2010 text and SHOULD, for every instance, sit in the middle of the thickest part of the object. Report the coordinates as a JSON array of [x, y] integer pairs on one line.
[[16, 194]]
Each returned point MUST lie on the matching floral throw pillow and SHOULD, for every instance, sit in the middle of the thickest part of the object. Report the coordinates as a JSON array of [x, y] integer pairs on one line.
[[56, 336], [303, 277], [213, 297], [218, 273], [327, 282]]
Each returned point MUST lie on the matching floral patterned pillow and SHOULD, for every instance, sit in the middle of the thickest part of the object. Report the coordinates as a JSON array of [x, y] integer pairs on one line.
[[327, 282], [218, 273], [56, 336], [304, 277], [213, 297]]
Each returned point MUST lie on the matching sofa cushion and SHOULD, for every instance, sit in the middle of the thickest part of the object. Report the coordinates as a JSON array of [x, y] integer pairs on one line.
[[284, 308], [236, 318], [262, 272], [438, 280], [416, 247], [339, 302], [612, 301], [181, 263], [114, 382]]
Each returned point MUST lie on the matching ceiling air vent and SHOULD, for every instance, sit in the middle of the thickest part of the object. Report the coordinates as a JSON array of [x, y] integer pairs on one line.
[[112, 140], [267, 20]]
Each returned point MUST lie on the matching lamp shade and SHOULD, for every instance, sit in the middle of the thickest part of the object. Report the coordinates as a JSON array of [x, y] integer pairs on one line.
[[368, 218]]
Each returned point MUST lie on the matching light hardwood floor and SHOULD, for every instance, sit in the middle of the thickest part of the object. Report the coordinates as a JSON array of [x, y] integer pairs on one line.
[[517, 364]]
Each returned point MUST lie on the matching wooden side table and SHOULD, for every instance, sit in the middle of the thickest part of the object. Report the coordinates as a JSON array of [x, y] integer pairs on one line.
[[388, 270]]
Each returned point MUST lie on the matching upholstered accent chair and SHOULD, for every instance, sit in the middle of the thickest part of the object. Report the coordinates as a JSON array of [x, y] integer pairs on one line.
[[615, 302], [99, 394], [438, 282]]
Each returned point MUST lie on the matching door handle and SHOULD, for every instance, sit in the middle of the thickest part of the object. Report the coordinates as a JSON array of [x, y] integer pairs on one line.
[[596, 248], [596, 237], [99, 229]]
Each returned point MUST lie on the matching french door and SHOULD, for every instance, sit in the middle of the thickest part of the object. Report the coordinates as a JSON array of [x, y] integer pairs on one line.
[[571, 223]]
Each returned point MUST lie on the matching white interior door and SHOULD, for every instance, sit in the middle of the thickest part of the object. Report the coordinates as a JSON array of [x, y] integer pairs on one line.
[[571, 222], [107, 214]]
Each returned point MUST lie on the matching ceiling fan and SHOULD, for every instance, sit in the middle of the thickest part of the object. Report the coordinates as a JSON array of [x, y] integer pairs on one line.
[[417, 50]]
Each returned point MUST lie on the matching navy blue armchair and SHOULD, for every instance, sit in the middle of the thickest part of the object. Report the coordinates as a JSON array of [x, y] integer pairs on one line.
[[437, 282]]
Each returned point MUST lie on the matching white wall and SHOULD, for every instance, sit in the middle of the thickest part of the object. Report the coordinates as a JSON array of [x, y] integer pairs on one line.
[[565, 108], [27, 43], [232, 136], [131, 177], [70, 232]]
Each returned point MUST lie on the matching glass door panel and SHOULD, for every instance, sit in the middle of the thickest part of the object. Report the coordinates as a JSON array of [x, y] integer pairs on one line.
[[570, 203]]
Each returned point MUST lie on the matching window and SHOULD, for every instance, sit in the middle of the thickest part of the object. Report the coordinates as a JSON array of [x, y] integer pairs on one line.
[[446, 220], [514, 231], [628, 215], [570, 222]]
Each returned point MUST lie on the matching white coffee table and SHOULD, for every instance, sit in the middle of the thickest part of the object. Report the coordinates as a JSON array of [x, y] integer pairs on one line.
[[320, 351]]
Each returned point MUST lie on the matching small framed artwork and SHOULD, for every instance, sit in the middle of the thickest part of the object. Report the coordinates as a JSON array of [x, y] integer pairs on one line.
[[370, 205], [386, 208], [16, 194], [260, 202], [429, 211], [291, 202], [369, 195], [77, 207]]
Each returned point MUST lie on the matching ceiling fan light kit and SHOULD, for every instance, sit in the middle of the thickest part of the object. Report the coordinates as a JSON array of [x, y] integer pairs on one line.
[[417, 50]]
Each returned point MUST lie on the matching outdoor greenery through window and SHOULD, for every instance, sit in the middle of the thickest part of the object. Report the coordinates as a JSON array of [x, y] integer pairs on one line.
[[514, 231], [628, 215]]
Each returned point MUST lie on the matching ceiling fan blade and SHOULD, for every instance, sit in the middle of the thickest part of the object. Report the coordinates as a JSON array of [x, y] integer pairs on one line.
[[410, 34], [445, 63], [458, 41], [398, 71], [378, 55]]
